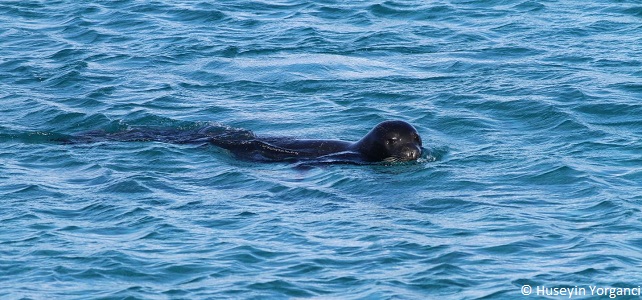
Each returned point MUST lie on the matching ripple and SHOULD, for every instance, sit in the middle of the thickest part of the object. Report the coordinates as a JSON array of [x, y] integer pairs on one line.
[[126, 186]]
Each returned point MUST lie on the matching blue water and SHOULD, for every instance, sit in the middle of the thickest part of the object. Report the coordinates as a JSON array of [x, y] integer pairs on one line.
[[533, 107]]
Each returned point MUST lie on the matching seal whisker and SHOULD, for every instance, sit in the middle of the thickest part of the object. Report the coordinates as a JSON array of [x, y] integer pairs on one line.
[[392, 159]]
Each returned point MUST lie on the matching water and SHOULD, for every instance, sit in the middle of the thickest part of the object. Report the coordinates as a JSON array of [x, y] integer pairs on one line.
[[534, 108]]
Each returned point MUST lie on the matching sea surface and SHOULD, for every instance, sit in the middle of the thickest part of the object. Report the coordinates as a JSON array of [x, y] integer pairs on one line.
[[531, 112]]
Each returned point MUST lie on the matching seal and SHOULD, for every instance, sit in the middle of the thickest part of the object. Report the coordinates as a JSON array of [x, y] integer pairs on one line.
[[389, 141]]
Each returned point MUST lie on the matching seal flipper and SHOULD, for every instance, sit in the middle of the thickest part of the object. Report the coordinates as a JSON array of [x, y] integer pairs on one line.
[[341, 158], [255, 148]]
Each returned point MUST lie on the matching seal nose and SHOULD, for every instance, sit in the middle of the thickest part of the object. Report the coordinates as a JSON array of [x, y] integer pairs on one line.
[[411, 153]]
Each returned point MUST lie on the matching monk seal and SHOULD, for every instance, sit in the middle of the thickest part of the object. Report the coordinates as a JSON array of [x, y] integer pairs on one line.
[[389, 141]]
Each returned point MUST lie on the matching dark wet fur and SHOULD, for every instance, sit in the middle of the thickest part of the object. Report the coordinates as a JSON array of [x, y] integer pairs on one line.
[[242, 143]]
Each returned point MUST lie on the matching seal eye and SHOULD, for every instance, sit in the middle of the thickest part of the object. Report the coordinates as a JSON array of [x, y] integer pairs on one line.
[[391, 141]]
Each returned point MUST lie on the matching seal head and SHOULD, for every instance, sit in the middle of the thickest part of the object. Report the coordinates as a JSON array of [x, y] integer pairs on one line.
[[390, 141]]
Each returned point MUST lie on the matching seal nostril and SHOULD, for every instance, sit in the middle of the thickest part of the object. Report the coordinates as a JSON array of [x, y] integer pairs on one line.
[[410, 153], [414, 153]]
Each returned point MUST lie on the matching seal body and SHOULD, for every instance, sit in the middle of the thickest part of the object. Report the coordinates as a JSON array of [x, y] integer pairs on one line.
[[389, 141]]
